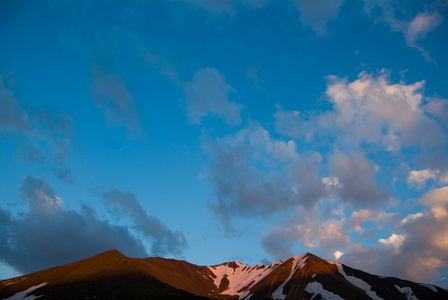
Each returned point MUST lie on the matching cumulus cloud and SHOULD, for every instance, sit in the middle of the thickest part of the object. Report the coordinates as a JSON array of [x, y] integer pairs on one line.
[[308, 229], [253, 174], [164, 239], [207, 94], [380, 216], [375, 113], [413, 29], [317, 13], [420, 178], [109, 93], [48, 234], [394, 242], [437, 201], [326, 234], [418, 251]]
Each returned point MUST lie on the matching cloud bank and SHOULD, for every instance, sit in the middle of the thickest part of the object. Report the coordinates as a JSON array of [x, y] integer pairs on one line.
[[48, 235]]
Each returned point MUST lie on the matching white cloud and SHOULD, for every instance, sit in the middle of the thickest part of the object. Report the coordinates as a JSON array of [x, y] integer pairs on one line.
[[332, 184], [338, 254], [207, 94], [373, 113], [420, 177], [411, 218], [394, 242]]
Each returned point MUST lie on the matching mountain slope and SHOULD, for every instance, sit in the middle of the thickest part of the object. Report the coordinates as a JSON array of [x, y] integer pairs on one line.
[[111, 275]]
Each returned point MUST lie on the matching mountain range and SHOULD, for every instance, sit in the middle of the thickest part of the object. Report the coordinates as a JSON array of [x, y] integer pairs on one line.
[[111, 275]]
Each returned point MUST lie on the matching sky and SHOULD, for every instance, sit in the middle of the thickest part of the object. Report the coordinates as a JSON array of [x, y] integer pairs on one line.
[[213, 131]]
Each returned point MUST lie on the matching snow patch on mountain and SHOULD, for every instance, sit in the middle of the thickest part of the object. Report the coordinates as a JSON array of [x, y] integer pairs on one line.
[[315, 288], [299, 261], [407, 291], [23, 295], [240, 276], [359, 283]]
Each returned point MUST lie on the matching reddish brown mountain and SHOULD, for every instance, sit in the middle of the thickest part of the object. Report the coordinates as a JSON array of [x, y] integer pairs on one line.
[[111, 275]]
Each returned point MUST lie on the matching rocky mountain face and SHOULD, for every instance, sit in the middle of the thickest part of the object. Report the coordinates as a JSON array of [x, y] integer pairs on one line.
[[111, 275]]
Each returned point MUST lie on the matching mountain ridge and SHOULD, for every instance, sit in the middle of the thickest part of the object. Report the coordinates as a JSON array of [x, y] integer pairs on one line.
[[112, 275]]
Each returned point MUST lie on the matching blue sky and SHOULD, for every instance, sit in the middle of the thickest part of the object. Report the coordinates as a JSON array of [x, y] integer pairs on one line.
[[225, 130]]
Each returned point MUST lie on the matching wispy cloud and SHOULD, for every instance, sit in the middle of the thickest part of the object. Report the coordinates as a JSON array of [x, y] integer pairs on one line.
[[109, 93], [208, 93], [313, 13], [43, 134], [165, 241], [317, 13], [413, 28], [12, 116]]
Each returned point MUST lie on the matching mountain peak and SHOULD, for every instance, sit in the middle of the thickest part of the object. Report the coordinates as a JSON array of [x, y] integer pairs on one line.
[[303, 276]]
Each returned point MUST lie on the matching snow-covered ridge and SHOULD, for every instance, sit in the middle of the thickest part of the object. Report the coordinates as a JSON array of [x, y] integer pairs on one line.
[[299, 262], [240, 276]]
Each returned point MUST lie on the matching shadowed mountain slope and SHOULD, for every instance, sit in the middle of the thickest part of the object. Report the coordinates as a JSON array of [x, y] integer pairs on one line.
[[111, 275]]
